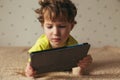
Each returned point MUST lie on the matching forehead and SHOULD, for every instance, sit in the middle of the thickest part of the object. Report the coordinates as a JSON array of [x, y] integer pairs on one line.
[[56, 21]]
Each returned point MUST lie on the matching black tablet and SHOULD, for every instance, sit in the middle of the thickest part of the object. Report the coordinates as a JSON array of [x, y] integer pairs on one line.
[[58, 59]]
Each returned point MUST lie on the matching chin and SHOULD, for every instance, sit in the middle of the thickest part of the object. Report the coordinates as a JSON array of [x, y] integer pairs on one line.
[[59, 45]]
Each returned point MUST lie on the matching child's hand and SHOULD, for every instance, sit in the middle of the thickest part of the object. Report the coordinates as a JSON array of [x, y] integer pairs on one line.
[[29, 72], [84, 63]]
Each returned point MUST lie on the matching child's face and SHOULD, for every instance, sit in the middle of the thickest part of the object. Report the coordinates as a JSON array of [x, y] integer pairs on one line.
[[57, 32]]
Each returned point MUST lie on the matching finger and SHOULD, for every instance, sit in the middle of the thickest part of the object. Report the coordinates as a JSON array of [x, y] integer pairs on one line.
[[88, 57], [85, 61], [83, 66]]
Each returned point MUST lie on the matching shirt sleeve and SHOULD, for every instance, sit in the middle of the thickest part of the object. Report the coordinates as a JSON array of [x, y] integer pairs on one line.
[[41, 44], [34, 48]]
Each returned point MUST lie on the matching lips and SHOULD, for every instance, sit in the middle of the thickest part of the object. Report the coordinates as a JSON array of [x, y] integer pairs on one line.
[[56, 39]]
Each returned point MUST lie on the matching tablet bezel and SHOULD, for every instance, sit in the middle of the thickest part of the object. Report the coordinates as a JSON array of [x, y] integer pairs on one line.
[[58, 59]]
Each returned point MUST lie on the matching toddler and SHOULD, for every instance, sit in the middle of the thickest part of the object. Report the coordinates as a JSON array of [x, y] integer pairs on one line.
[[57, 18]]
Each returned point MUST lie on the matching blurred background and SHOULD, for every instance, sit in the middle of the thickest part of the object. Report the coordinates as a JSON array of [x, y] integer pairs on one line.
[[98, 22]]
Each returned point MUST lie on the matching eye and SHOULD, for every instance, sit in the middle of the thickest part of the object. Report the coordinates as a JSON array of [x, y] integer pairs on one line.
[[61, 26], [49, 27]]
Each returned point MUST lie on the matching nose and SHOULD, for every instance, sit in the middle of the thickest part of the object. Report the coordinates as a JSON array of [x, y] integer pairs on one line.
[[56, 31]]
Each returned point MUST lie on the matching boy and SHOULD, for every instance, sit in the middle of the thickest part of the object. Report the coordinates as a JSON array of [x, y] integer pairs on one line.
[[58, 19]]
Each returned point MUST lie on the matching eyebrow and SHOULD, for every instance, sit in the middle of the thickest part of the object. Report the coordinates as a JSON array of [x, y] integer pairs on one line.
[[57, 24], [48, 24]]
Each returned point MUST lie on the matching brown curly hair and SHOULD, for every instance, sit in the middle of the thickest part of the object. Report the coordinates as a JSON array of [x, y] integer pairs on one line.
[[53, 9]]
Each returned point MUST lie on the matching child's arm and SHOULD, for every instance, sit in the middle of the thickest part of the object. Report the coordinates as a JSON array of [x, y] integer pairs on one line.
[[29, 72]]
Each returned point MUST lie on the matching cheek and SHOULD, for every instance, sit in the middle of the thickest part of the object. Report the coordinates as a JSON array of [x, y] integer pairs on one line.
[[48, 35], [47, 32], [66, 33]]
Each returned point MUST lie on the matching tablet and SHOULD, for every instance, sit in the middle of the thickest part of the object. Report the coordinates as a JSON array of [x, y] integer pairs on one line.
[[58, 59]]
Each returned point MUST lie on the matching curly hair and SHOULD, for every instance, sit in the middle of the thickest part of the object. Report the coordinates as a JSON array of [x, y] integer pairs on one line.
[[53, 9]]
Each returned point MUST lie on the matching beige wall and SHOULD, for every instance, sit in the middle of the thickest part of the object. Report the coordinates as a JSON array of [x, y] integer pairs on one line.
[[98, 22]]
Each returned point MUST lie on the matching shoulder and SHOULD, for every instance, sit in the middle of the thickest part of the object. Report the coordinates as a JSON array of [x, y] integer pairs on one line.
[[71, 41], [42, 39], [42, 43]]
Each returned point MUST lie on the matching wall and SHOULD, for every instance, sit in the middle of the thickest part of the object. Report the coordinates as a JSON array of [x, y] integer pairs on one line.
[[98, 22]]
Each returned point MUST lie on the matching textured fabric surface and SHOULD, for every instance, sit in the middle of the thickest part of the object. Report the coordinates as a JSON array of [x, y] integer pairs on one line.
[[105, 66]]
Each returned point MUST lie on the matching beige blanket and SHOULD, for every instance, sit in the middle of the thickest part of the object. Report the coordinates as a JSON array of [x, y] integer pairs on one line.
[[105, 66]]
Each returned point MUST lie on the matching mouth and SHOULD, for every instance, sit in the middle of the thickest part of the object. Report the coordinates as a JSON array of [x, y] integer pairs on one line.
[[56, 39]]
